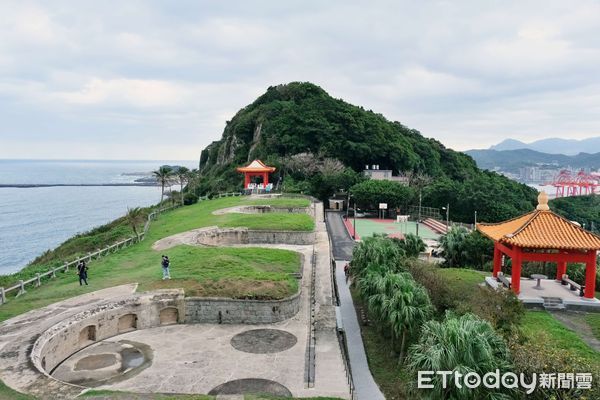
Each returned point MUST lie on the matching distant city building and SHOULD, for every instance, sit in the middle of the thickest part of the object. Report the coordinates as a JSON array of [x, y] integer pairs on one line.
[[377, 174]]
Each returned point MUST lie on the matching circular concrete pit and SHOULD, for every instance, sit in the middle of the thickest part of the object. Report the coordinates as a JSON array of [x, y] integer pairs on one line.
[[251, 386], [263, 341], [104, 363]]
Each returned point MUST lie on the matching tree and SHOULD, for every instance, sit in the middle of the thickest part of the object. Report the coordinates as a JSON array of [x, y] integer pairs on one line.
[[400, 304], [412, 244], [163, 176], [377, 253], [183, 176], [452, 245], [135, 216], [462, 344], [368, 194]]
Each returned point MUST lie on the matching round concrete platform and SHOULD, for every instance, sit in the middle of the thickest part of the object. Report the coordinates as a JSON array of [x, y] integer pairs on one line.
[[251, 386], [263, 341]]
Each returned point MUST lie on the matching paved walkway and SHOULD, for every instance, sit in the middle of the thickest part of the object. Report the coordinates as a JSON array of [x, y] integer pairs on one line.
[[365, 387]]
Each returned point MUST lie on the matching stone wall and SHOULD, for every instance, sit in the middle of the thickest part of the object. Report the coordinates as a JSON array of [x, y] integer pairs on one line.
[[214, 236], [234, 311], [281, 237], [140, 311]]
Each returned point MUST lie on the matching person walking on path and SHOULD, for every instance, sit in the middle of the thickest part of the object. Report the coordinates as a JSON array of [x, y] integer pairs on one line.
[[165, 267], [82, 272]]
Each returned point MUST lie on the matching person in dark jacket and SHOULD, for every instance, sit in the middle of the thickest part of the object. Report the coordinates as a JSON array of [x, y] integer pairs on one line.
[[82, 272], [165, 267]]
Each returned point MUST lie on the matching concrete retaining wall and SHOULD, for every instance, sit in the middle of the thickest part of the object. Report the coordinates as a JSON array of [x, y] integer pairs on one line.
[[230, 236], [139, 311], [234, 311]]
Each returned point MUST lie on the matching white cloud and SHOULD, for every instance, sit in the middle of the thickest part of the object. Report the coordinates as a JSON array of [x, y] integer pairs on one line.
[[454, 70]]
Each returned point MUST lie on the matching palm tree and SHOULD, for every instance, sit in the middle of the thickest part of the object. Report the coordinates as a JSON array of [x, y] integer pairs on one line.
[[163, 176], [452, 245], [135, 216], [183, 176], [413, 245], [466, 343], [377, 253], [401, 304]]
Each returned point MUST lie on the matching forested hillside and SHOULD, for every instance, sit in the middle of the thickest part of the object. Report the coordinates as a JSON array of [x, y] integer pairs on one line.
[[298, 125]]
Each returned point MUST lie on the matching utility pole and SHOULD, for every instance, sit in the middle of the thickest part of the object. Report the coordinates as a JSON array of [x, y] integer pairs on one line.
[[354, 228], [447, 217]]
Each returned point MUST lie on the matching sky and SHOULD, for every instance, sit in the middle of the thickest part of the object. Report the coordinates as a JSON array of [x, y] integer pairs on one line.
[[159, 79]]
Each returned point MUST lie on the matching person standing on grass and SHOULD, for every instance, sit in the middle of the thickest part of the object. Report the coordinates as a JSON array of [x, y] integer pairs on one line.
[[82, 272], [165, 267]]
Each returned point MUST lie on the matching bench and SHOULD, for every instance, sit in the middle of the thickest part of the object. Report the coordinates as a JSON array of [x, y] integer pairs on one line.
[[502, 279], [572, 284]]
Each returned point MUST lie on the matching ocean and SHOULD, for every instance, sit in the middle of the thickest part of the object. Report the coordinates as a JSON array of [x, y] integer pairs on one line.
[[33, 220]]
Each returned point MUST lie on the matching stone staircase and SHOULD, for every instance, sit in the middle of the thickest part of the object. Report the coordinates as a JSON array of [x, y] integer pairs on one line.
[[553, 303], [435, 225]]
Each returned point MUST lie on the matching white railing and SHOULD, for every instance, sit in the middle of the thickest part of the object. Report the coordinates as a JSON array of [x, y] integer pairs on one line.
[[37, 280]]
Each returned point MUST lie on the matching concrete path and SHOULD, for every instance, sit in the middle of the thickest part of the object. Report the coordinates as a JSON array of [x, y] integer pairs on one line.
[[341, 241], [365, 387]]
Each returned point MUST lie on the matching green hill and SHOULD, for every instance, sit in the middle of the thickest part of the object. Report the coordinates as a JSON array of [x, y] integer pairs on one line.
[[302, 118]]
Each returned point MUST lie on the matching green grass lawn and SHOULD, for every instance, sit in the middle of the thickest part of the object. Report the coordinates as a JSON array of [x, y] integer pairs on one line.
[[203, 271], [557, 335], [593, 321]]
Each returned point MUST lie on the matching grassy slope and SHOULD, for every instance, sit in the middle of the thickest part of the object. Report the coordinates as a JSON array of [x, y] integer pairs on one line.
[[203, 271], [559, 336], [593, 321]]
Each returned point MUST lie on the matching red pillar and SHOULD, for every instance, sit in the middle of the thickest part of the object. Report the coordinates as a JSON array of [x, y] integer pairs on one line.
[[266, 179], [590, 275], [497, 260], [516, 271], [561, 269], [246, 180]]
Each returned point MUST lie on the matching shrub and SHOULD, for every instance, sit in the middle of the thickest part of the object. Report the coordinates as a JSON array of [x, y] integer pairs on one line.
[[501, 308], [536, 356], [426, 274], [412, 245], [464, 344], [190, 198]]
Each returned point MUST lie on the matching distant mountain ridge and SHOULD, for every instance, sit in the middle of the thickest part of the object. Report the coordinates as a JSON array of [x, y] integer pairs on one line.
[[512, 160], [553, 145]]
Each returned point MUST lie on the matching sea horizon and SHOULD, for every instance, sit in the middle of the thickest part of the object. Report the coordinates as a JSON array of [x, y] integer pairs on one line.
[[36, 219]]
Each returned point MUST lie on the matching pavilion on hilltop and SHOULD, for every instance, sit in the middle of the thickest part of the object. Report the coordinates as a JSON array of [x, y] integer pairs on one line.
[[256, 169], [542, 235]]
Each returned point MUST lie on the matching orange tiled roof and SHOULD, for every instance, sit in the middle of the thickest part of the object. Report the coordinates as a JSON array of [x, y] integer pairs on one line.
[[541, 229], [256, 166]]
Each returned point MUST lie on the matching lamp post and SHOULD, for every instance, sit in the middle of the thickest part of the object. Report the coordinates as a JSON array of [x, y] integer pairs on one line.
[[475, 225], [447, 208]]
